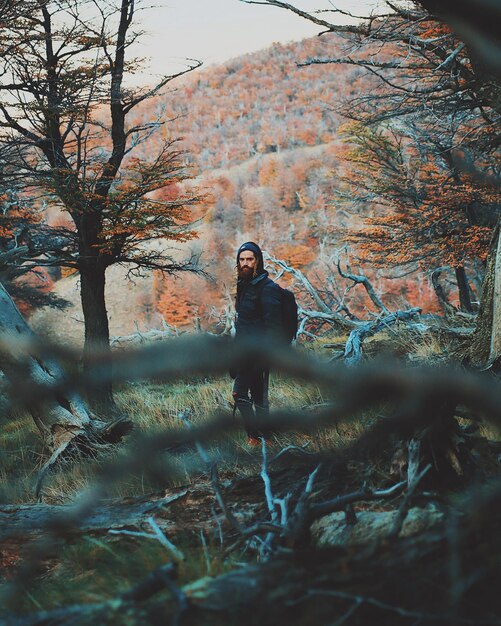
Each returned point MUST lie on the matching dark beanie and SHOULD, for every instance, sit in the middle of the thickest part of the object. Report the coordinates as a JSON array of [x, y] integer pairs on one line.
[[252, 247]]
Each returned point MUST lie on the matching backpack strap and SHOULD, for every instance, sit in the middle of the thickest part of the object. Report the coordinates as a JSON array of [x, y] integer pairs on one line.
[[259, 292]]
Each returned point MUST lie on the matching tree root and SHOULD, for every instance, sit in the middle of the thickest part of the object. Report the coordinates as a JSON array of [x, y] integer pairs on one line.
[[88, 443]]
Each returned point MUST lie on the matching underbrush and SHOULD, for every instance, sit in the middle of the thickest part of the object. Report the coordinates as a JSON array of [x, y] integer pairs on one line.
[[155, 407], [21, 453], [152, 407], [92, 569]]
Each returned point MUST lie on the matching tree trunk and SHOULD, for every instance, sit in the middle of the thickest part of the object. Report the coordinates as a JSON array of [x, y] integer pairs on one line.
[[485, 348], [443, 301], [97, 334], [464, 290], [59, 419], [175, 513]]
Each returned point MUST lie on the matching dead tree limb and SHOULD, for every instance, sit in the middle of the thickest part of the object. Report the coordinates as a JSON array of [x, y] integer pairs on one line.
[[361, 279], [443, 301], [335, 319], [144, 337], [353, 349], [323, 312], [404, 507], [301, 279], [298, 526], [338, 504], [312, 17], [31, 521], [266, 547], [413, 448]]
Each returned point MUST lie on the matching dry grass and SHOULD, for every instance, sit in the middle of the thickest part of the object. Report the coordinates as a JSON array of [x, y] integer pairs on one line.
[[89, 569], [153, 406], [20, 456], [93, 570]]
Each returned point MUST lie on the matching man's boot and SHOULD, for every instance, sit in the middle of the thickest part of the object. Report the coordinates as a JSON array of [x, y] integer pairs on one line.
[[246, 409]]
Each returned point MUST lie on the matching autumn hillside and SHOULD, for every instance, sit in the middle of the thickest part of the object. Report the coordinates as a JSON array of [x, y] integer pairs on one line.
[[262, 136]]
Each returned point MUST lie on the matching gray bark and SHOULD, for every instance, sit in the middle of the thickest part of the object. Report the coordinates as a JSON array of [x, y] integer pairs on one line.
[[485, 348], [353, 348], [33, 521], [60, 418], [443, 301], [464, 290], [405, 582]]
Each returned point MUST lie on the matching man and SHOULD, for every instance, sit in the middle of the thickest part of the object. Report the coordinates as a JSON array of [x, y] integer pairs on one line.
[[258, 307]]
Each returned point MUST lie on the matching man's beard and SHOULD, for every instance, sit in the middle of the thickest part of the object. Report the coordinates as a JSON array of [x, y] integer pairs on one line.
[[245, 273]]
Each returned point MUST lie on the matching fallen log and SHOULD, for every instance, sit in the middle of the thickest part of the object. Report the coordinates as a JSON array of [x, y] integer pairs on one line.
[[63, 418], [30, 521], [144, 337]]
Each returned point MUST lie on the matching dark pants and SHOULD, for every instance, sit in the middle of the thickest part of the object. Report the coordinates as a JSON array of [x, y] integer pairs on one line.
[[250, 391]]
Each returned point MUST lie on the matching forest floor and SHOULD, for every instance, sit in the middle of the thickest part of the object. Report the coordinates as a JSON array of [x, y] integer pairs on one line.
[[298, 531]]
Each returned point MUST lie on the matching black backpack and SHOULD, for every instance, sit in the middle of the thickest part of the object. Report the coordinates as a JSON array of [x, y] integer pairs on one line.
[[288, 314]]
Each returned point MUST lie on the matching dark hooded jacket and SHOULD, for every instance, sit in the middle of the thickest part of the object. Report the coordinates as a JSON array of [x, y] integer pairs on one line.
[[258, 303]]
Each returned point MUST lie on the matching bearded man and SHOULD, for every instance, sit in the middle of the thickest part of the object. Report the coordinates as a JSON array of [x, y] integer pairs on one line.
[[258, 308]]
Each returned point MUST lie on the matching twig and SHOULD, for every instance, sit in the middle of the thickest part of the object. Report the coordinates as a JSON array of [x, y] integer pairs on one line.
[[176, 553], [404, 507], [266, 546], [214, 476], [132, 533], [309, 485], [361, 279], [300, 520], [413, 461], [283, 504], [339, 503], [289, 449], [252, 531], [267, 484], [206, 552], [218, 525], [353, 349]]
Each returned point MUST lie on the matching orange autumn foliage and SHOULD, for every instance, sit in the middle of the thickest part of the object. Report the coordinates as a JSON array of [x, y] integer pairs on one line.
[[420, 211], [41, 281], [262, 134], [180, 302], [296, 254]]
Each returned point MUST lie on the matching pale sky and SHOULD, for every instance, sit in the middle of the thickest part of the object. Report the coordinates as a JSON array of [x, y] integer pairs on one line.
[[217, 30]]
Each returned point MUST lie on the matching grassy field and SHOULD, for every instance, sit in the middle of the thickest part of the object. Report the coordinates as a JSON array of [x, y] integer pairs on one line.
[[154, 407], [151, 407], [91, 569]]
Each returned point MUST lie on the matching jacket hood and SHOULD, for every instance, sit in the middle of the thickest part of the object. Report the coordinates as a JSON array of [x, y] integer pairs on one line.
[[253, 247]]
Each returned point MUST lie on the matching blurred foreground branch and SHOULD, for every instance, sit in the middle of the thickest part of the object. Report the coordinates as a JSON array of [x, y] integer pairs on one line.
[[420, 399]]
